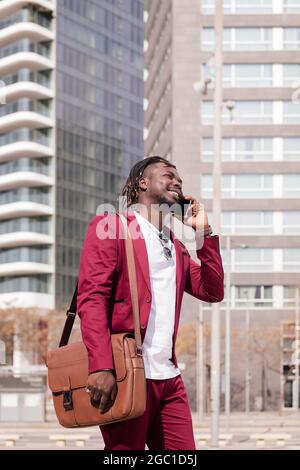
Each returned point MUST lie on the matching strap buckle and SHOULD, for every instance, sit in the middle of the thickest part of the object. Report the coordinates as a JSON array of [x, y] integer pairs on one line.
[[68, 400], [71, 314], [138, 351]]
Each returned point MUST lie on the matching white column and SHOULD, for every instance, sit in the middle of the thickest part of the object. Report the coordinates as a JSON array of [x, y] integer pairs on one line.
[[277, 148], [277, 36], [277, 112], [277, 6], [277, 296], [277, 260], [277, 185]]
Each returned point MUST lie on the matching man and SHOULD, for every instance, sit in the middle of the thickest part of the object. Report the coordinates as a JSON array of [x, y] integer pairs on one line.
[[164, 271]]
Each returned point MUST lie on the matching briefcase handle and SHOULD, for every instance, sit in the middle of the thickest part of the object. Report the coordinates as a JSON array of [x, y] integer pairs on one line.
[[72, 311]]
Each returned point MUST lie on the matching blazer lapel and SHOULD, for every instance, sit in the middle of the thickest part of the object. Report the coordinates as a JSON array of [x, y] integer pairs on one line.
[[139, 246], [179, 274]]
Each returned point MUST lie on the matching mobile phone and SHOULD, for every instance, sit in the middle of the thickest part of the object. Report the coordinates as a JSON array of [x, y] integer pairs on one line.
[[182, 208]]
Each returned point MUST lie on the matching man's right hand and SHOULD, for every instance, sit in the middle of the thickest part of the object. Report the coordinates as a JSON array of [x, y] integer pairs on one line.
[[102, 387]]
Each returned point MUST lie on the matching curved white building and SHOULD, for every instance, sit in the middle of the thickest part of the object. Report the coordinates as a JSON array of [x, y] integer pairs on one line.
[[27, 118]]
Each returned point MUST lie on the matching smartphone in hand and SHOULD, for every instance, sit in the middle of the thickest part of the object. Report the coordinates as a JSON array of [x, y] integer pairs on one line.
[[184, 205]]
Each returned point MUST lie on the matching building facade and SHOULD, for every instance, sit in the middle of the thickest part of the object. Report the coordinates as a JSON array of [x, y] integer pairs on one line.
[[71, 122], [261, 129], [71, 127]]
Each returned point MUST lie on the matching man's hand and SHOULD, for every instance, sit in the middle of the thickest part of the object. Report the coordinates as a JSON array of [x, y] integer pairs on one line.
[[196, 216], [102, 387]]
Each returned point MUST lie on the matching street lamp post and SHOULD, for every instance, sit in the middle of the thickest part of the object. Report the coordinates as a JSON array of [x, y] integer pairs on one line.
[[247, 373], [217, 138], [227, 334], [296, 387], [200, 364]]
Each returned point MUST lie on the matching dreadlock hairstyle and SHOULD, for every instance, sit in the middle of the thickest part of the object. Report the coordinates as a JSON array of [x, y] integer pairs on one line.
[[131, 188]]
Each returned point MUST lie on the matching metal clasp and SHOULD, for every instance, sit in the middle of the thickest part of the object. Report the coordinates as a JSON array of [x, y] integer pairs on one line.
[[68, 401], [138, 351]]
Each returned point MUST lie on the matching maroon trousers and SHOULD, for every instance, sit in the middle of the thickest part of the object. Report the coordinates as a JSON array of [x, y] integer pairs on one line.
[[165, 425]]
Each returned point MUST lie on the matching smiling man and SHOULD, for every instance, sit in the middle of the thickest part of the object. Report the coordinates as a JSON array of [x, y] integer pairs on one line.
[[165, 271]]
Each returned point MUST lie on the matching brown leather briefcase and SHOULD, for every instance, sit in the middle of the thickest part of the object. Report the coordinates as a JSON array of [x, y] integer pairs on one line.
[[68, 368]]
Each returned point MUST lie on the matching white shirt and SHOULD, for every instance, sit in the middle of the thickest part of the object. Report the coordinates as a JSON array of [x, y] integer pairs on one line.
[[158, 341]]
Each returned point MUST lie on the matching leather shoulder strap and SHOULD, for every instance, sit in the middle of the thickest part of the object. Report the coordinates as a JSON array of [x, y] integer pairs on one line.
[[71, 312]]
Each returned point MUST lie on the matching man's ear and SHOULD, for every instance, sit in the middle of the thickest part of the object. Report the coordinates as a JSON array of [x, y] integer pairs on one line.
[[143, 184]]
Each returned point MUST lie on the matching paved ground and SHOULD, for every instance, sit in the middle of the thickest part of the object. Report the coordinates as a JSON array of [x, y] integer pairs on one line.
[[256, 431]]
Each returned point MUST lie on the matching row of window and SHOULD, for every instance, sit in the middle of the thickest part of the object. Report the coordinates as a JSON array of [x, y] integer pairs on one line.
[[42, 77], [42, 48], [253, 38], [68, 256], [257, 75], [264, 259], [33, 254], [260, 222], [102, 44], [253, 6], [107, 151], [101, 98], [263, 296], [40, 136], [38, 165], [25, 224], [40, 195], [77, 201], [93, 11], [38, 106], [254, 185], [37, 283], [88, 65], [254, 149], [254, 112], [132, 136]]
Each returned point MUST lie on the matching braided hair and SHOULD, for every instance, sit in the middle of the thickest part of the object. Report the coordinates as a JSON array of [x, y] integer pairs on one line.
[[131, 188]]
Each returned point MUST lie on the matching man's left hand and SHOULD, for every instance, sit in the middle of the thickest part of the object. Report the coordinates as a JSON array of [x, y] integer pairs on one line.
[[196, 216]]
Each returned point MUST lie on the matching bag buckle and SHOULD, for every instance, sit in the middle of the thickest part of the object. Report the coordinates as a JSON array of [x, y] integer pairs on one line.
[[70, 314], [68, 401], [138, 351]]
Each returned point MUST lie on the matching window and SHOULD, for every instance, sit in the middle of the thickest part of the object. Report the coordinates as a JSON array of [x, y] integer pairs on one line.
[[291, 222], [39, 283], [250, 185], [240, 149], [240, 38], [291, 259], [291, 38], [252, 259], [289, 296], [247, 75], [291, 148], [291, 74], [239, 6], [25, 224], [291, 185], [253, 296], [291, 6], [39, 254], [291, 112], [245, 112], [247, 222]]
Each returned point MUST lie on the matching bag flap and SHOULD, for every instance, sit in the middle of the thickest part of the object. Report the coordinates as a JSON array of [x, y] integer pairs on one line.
[[68, 365]]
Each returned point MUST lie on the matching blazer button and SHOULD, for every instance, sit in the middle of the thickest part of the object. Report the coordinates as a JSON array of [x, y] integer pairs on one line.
[[143, 327], [148, 299]]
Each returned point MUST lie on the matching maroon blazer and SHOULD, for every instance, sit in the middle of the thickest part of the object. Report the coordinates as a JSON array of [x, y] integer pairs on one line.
[[104, 303]]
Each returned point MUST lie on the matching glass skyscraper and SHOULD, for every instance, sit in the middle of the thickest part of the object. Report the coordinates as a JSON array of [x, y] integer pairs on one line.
[[71, 123]]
